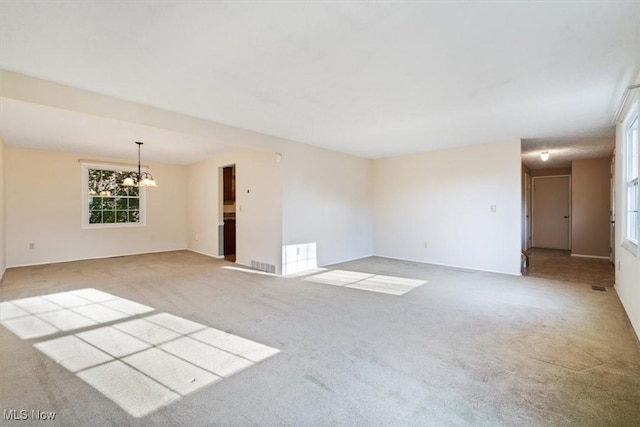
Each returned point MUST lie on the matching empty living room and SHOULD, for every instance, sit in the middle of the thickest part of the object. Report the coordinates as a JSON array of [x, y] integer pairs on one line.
[[319, 213]]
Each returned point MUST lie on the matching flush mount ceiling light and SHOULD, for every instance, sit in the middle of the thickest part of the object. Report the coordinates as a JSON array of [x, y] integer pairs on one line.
[[139, 179], [544, 156]]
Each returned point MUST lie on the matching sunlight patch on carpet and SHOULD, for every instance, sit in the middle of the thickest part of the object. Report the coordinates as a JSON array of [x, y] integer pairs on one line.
[[141, 364], [366, 281]]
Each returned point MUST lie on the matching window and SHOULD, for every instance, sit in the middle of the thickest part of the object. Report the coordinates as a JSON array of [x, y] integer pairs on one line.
[[631, 161], [106, 202]]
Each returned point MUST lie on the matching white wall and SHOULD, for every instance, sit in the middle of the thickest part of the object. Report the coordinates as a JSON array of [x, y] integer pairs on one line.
[[202, 207], [444, 198], [3, 263], [327, 200], [43, 205], [325, 197], [258, 206], [310, 196], [627, 263]]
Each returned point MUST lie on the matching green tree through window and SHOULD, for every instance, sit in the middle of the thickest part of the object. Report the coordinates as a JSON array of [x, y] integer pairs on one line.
[[109, 201]]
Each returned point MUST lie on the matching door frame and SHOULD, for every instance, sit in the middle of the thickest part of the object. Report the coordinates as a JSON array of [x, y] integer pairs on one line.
[[612, 212], [527, 211], [533, 206], [221, 233]]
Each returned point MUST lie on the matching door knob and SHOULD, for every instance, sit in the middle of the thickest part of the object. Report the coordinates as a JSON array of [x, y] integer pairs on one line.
[[566, 216]]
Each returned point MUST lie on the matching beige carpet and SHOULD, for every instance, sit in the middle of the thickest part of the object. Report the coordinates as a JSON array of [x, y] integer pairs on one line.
[[455, 348]]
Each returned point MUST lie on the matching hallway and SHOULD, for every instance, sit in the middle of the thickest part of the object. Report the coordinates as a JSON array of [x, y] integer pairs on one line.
[[559, 265]]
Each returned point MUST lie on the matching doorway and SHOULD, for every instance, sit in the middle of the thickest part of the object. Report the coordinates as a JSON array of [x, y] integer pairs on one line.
[[229, 212], [551, 212]]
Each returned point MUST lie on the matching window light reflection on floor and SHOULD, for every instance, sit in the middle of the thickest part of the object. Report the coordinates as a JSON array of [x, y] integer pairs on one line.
[[140, 364], [36, 317], [366, 281]]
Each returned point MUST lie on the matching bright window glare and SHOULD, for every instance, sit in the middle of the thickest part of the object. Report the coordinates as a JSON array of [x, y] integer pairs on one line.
[[113, 342], [366, 281], [147, 331], [36, 317], [174, 373], [133, 391], [28, 327], [299, 257], [73, 353], [140, 364]]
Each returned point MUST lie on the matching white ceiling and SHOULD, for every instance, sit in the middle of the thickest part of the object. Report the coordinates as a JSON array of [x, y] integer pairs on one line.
[[46, 128], [563, 150], [373, 79]]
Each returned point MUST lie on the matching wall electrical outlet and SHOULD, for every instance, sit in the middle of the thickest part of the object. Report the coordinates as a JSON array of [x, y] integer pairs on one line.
[[197, 237], [32, 245], [493, 208], [425, 245]]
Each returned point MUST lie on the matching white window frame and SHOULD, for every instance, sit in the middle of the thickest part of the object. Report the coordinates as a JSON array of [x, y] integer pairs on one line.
[[85, 197], [629, 183]]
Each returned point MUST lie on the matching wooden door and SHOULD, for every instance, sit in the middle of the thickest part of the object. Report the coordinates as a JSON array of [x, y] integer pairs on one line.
[[229, 236], [227, 185], [551, 212]]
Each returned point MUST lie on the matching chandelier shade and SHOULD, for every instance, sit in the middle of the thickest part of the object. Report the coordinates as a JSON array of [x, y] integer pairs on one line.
[[139, 179]]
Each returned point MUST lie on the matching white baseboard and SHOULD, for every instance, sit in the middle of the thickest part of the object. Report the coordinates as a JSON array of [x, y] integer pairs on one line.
[[96, 257], [206, 254], [589, 256]]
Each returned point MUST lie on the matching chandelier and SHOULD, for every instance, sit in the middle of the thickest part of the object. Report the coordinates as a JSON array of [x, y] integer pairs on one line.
[[139, 179]]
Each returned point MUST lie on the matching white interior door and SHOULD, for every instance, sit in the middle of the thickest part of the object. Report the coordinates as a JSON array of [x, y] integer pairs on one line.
[[551, 212]]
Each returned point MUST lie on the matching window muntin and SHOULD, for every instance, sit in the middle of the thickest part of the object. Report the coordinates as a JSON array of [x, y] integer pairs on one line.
[[631, 178], [106, 202]]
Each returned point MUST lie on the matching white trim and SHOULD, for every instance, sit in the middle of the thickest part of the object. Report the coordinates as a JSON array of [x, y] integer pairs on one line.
[[613, 209], [591, 256], [623, 102], [528, 211], [205, 254], [630, 247], [97, 257], [632, 114], [627, 310]]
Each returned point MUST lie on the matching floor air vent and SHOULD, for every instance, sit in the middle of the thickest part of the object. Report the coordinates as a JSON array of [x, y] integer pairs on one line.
[[599, 288], [263, 266]]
